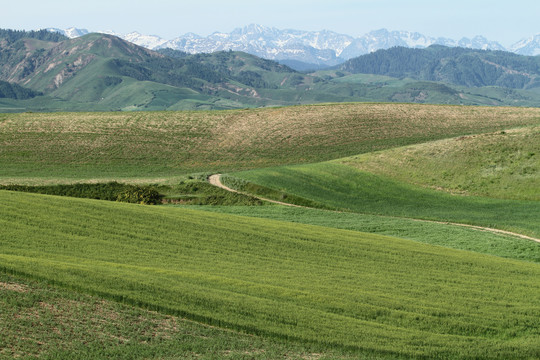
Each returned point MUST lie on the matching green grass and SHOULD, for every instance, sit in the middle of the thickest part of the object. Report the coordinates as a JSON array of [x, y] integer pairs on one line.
[[366, 293], [160, 147], [505, 164], [200, 192], [40, 321], [338, 185], [246, 187], [452, 236]]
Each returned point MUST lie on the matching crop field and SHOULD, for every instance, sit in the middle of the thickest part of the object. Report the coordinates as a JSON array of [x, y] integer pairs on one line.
[[452, 236], [157, 147], [343, 187], [370, 268], [364, 293], [51, 323]]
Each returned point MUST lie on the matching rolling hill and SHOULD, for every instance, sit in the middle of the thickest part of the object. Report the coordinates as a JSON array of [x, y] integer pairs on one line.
[[376, 280], [504, 164], [489, 180], [384, 267], [160, 146], [369, 294]]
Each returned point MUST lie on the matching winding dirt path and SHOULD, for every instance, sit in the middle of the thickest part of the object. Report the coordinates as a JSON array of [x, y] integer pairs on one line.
[[216, 181]]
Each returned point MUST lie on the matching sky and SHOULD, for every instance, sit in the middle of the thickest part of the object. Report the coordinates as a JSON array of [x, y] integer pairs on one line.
[[504, 21]]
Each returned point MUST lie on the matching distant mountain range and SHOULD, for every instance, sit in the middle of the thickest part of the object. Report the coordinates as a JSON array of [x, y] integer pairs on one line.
[[47, 71], [308, 49]]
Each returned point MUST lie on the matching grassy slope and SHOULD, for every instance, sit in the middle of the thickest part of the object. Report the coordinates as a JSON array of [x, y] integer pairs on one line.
[[50, 323], [455, 237], [345, 187], [347, 289], [502, 165], [159, 146], [384, 88]]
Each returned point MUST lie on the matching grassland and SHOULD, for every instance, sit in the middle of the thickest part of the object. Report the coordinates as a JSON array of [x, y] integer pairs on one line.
[[365, 293], [313, 285], [336, 184], [158, 147], [504, 164], [40, 321], [452, 236]]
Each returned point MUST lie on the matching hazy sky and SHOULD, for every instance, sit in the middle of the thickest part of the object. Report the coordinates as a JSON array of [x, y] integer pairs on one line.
[[503, 21]]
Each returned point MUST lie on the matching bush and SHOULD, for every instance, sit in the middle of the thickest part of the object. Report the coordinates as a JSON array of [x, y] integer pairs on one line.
[[140, 195], [111, 191]]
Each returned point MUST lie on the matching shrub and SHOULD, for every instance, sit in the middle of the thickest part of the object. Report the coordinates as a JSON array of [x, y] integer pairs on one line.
[[140, 195], [111, 191]]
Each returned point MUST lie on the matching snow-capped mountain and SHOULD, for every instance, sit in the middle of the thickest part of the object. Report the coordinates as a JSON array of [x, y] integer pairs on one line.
[[71, 32], [384, 39], [479, 42], [147, 41], [317, 47], [313, 47], [529, 46]]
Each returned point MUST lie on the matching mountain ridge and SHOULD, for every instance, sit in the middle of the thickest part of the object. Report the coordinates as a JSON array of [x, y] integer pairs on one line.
[[457, 66], [103, 72], [321, 48]]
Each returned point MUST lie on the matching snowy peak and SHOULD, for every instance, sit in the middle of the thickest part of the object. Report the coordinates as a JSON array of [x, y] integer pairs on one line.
[[147, 41], [254, 29], [325, 48], [480, 42], [316, 47], [70, 32], [384, 39], [529, 46]]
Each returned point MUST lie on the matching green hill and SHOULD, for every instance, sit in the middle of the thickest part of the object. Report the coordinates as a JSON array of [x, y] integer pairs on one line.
[[341, 186], [458, 66], [103, 72], [161, 146], [504, 164], [14, 91], [312, 285], [373, 295]]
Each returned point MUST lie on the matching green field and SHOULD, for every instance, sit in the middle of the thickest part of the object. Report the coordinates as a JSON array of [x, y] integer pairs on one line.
[[505, 164], [452, 236], [336, 184], [366, 293], [51, 323], [158, 147], [370, 269]]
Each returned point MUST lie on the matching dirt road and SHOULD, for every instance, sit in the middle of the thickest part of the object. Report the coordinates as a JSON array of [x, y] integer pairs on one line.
[[216, 181]]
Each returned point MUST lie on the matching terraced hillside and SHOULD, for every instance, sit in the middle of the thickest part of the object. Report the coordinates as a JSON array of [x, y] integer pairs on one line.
[[160, 146]]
